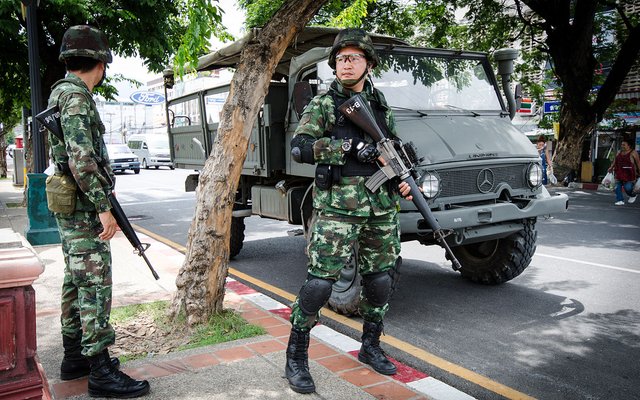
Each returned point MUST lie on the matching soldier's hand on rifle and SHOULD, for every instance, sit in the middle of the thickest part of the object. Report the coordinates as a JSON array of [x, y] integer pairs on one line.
[[109, 225], [405, 191], [366, 152]]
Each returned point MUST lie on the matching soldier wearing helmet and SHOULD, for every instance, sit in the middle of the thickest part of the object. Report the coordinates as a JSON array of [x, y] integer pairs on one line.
[[346, 211], [86, 229]]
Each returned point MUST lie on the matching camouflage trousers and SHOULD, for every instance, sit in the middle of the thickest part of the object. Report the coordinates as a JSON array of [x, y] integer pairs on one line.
[[330, 248], [86, 288]]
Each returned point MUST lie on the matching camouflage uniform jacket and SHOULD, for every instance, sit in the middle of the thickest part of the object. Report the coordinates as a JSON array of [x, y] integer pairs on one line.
[[83, 146], [349, 196]]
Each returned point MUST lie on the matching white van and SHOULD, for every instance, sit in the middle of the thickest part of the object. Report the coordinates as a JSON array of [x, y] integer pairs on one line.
[[151, 149]]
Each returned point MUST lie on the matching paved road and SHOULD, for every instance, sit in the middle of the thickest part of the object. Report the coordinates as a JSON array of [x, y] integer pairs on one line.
[[568, 328]]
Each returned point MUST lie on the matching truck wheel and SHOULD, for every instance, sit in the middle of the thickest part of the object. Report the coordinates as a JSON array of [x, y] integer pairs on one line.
[[345, 295], [136, 171], [144, 163], [236, 236], [498, 261]]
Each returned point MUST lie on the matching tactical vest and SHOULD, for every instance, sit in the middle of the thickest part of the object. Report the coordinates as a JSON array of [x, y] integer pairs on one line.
[[345, 129]]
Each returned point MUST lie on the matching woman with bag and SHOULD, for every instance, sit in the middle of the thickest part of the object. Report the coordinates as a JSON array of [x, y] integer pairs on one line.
[[626, 167]]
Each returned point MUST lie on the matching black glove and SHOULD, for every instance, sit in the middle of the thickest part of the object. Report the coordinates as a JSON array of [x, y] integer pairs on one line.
[[367, 152]]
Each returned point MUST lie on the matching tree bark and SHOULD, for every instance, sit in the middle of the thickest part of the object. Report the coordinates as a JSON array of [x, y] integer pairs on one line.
[[3, 156], [200, 281]]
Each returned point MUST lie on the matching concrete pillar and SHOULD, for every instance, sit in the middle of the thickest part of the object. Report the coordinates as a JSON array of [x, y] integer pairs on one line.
[[20, 377]]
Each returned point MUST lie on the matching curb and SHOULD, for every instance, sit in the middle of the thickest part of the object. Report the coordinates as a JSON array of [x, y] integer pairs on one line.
[[416, 380], [588, 186]]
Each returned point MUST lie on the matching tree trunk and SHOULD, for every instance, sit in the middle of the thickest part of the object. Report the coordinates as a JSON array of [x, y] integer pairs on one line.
[[574, 129], [200, 281]]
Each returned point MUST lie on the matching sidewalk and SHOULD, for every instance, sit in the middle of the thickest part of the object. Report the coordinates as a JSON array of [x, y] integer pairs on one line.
[[243, 369]]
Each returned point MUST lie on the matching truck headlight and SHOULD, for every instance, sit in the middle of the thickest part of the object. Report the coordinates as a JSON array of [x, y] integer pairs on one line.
[[430, 185], [534, 175]]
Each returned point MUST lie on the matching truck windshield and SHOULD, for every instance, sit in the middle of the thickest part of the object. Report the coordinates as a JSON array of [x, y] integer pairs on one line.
[[420, 82]]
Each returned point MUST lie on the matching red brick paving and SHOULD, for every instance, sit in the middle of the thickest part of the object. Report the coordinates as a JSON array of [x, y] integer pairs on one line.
[[200, 360], [339, 363], [234, 354], [363, 377], [269, 346], [345, 366], [390, 390]]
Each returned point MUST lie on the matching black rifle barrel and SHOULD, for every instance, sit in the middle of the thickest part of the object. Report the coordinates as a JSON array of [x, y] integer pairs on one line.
[[127, 229]]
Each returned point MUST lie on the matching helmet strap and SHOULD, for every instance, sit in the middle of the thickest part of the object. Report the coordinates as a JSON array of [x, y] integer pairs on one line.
[[104, 76], [349, 83]]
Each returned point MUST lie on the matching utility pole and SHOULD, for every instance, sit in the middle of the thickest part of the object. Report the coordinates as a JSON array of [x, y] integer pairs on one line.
[[39, 156], [41, 226]]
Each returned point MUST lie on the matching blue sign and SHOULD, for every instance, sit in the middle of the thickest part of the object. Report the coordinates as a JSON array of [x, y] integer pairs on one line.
[[551, 107], [148, 98], [216, 100]]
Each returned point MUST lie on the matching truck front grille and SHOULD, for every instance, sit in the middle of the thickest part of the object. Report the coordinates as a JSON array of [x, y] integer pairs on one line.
[[465, 182]]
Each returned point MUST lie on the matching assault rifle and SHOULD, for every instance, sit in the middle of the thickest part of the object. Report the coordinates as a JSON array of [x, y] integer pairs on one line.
[[50, 119], [397, 165]]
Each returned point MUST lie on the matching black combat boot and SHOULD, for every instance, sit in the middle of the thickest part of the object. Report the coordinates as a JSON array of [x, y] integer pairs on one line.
[[371, 353], [74, 364], [106, 381], [297, 369]]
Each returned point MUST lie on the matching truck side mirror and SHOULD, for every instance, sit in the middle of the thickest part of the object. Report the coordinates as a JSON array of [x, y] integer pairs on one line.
[[302, 95], [518, 95], [505, 59]]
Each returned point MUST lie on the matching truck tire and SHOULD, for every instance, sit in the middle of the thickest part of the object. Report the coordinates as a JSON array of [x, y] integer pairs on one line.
[[236, 236], [498, 261]]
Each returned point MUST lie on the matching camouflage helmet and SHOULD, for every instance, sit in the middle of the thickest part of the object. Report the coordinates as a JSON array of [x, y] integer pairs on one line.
[[85, 41], [353, 37]]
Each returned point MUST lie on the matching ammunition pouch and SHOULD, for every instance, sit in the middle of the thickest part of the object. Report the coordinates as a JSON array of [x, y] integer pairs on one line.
[[61, 193], [324, 176]]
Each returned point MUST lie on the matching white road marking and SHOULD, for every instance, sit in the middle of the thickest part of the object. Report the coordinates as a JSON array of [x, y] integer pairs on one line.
[[573, 260]]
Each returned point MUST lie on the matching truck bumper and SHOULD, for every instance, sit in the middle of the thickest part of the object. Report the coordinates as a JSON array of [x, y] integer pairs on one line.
[[472, 220]]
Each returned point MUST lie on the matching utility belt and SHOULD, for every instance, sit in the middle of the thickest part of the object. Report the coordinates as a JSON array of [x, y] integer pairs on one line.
[[327, 175]]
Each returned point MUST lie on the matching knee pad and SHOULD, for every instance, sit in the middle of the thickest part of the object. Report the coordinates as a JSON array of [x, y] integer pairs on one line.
[[314, 294], [377, 288]]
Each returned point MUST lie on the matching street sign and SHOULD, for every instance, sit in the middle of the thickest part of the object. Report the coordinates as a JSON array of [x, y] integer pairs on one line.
[[551, 107]]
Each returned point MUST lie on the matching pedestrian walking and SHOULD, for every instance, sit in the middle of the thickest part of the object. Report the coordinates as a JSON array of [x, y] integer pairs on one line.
[[77, 194], [625, 167], [347, 213], [545, 157]]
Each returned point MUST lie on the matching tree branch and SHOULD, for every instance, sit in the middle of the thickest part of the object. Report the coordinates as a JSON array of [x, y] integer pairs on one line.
[[627, 56]]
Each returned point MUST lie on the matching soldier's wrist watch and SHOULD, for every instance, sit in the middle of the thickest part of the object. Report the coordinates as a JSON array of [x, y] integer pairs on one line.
[[346, 146]]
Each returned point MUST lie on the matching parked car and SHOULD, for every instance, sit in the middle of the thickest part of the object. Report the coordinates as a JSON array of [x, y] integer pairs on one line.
[[152, 150], [122, 158]]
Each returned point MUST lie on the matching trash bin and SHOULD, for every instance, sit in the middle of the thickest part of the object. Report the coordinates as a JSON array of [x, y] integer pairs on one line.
[[18, 167]]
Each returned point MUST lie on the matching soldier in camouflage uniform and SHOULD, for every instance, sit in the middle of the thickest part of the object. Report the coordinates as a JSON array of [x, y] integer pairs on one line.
[[346, 211], [85, 233]]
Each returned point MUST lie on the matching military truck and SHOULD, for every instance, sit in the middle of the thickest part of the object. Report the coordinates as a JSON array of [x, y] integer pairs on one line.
[[481, 177]]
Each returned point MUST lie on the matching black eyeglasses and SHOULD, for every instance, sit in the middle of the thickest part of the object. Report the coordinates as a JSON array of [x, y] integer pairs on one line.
[[352, 58]]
